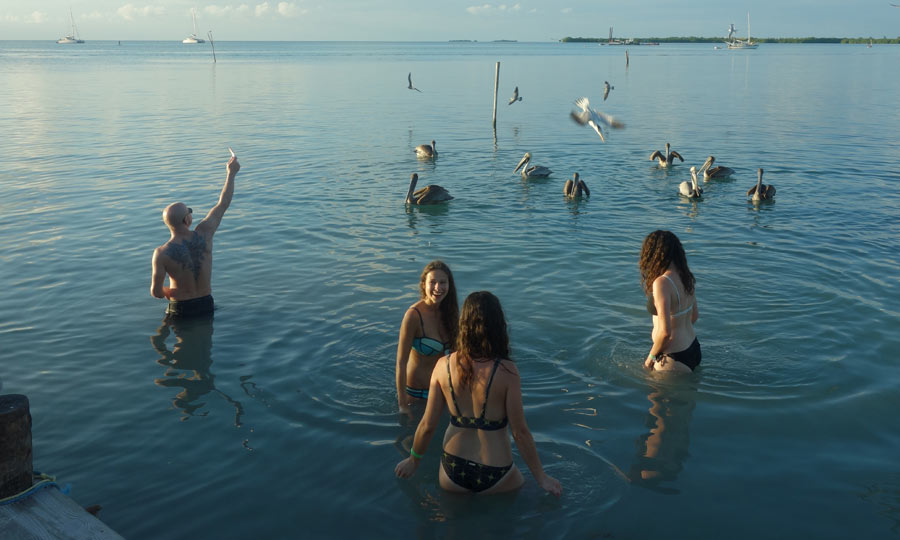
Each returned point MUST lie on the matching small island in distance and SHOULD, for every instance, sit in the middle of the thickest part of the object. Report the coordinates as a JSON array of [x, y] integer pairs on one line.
[[695, 39]]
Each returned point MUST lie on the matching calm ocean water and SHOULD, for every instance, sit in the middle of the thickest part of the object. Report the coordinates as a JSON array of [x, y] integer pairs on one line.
[[278, 419]]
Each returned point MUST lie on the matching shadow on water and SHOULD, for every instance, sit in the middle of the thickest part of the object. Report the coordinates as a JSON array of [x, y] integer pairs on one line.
[[188, 364], [662, 451]]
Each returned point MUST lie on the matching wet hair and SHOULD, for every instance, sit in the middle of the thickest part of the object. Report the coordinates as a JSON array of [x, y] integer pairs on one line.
[[482, 332], [449, 308], [661, 249]]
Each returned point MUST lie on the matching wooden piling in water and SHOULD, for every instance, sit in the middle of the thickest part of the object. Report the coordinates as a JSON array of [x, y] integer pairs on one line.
[[15, 445], [496, 87]]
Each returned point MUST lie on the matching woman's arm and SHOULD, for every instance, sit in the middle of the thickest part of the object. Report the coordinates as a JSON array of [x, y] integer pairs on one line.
[[522, 435], [427, 425], [404, 344], [663, 333]]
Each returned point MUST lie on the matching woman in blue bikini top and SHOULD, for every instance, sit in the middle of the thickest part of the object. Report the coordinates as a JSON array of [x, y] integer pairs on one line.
[[482, 389], [428, 329]]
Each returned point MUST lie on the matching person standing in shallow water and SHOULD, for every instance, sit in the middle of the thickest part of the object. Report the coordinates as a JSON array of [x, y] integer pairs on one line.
[[483, 390], [187, 257], [669, 286], [427, 332]]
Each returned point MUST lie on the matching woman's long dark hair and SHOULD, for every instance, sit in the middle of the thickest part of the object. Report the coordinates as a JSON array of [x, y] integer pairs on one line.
[[482, 333], [660, 249], [449, 308]]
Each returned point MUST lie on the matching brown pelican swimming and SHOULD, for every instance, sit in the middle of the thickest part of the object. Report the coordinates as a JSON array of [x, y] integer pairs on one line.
[[431, 194], [715, 172], [692, 189], [593, 117], [427, 150], [515, 97], [665, 159], [535, 171], [761, 192], [411, 87], [575, 188], [606, 89]]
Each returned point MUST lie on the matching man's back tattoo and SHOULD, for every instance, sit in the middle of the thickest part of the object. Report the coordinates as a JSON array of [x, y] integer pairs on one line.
[[189, 253]]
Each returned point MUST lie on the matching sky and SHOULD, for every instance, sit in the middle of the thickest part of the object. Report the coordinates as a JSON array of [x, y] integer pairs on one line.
[[442, 20]]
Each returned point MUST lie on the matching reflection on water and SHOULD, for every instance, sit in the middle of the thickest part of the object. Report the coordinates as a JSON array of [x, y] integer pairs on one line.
[[662, 451], [188, 364]]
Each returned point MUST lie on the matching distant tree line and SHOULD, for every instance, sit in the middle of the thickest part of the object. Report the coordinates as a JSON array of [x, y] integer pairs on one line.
[[695, 39]]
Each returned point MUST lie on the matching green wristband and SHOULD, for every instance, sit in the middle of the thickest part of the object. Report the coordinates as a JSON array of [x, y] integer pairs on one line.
[[414, 454]]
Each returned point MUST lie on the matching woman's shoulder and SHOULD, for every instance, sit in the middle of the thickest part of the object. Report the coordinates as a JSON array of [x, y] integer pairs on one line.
[[509, 367]]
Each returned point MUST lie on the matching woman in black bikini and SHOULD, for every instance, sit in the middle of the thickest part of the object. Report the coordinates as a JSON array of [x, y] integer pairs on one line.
[[669, 286], [482, 388], [427, 332]]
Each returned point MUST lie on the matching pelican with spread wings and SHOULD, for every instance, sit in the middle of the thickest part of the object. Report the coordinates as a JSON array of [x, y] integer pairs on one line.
[[593, 117]]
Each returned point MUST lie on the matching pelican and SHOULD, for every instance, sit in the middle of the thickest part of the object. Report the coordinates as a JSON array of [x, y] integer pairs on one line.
[[692, 189], [535, 171], [427, 150], [575, 187], [760, 191], [431, 194], [606, 89], [515, 97], [715, 172], [593, 117], [665, 159], [411, 87]]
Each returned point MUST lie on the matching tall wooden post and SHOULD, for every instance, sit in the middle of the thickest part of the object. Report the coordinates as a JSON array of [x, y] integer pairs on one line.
[[496, 86], [15, 445]]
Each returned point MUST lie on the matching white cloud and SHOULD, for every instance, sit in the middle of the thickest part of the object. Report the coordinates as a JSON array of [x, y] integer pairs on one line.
[[218, 11], [36, 17], [261, 9], [130, 12], [566, 10], [488, 9], [286, 9], [243, 9]]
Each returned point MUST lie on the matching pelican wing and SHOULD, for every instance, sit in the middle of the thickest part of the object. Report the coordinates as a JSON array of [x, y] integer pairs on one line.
[[751, 191], [675, 154], [537, 171], [581, 118], [770, 191], [432, 194], [719, 172], [515, 96], [584, 103], [656, 155]]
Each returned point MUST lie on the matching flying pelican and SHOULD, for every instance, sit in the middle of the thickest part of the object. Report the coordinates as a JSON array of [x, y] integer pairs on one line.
[[535, 171], [431, 194], [411, 87], [692, 189], [715, 172], [515, 97], [574, 188], [606, 89], [428, 151], [593, 117], [665, 159], [760, 191]]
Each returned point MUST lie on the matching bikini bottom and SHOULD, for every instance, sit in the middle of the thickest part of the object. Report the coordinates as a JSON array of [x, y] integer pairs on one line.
[[470, 474], [689, 357]]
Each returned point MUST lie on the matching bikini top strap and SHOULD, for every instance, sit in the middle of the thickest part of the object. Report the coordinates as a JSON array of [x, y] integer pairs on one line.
[[421, 321], [487, 390], [677, 296], [450, 381]]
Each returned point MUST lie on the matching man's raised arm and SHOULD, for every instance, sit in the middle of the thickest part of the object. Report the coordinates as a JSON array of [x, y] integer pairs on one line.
[[212, 220]]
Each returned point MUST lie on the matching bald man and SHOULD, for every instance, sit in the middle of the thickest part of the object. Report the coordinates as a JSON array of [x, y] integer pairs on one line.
[[187, 257]]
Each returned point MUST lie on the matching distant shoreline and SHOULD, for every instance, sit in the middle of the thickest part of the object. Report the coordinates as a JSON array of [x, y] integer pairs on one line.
[[694, 39]]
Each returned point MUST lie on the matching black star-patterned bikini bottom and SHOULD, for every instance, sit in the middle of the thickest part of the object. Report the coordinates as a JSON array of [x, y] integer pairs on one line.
[[470, 474]]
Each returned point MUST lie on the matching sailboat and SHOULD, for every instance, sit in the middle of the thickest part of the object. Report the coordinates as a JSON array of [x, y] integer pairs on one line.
[[72, 37], [193, 37], [735, 43], [869, 46]]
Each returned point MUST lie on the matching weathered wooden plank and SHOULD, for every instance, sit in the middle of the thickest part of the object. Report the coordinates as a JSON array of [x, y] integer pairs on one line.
[[48, 514]]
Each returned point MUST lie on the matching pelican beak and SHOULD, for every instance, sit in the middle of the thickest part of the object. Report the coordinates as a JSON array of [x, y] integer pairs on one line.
[[708, 163], [525, 159], [413, 179]]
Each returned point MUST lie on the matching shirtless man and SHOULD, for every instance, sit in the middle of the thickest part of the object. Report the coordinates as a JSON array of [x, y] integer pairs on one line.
[[187, 257]]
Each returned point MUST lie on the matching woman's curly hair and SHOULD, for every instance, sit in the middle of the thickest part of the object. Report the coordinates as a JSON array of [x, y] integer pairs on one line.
[[482, 333], [661, 249]]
